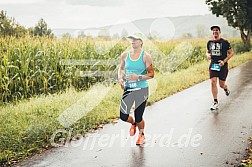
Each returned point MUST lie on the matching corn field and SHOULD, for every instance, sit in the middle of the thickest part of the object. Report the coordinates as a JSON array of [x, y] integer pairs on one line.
[[33, 66]]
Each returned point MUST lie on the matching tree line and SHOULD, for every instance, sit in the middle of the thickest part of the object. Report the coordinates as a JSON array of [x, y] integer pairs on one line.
[[10, 27]]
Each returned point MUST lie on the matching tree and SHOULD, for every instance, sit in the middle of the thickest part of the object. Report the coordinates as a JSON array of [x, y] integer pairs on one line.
[[9, 27], [31, 31], [5, 24], [41, 29], [19, 31], [81, 34], [104, 33], [187, 35], [66, 35], [238, 14]]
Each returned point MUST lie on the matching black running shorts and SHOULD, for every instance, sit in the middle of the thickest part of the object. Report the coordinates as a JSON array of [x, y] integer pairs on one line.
[[222, 74]]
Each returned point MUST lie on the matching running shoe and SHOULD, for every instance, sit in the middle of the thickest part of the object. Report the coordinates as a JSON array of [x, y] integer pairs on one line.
[[132, 130], [214, 106], [140, 140], [227, 92]]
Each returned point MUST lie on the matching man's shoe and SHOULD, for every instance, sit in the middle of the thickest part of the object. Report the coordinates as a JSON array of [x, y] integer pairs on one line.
[[132, 130], [227, 92], [214, 106]]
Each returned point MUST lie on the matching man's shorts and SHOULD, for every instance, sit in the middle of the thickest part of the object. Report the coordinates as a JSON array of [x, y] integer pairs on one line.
[[222, 74]]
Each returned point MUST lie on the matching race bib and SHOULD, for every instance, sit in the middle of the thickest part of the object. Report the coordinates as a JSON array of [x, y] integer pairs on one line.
[[215, 67], [131, 84]]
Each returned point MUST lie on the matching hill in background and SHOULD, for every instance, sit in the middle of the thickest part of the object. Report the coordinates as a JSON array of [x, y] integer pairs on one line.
[[197, 26]]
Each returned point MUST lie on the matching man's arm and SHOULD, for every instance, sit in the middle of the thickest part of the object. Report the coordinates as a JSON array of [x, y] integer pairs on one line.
[[230, 53], [208, 54]]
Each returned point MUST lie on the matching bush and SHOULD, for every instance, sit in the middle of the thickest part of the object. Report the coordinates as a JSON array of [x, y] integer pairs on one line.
[[239, 47]]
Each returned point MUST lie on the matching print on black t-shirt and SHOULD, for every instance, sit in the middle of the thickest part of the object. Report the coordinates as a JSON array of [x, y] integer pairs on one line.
[[215, 48], [218, 49]]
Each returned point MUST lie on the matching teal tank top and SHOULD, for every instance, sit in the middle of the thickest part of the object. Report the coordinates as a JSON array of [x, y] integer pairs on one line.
[[138, 67]]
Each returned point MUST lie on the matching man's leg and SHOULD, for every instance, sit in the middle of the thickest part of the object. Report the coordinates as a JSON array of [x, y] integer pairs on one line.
[[214, 88], [214, 93], [223, 84], [222, 80]]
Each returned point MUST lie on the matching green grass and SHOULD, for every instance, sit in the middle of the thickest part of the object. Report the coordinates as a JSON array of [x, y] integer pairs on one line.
[[26, 127]]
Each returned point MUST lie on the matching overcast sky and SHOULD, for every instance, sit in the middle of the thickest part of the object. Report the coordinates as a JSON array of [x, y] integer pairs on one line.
[[95, 13]]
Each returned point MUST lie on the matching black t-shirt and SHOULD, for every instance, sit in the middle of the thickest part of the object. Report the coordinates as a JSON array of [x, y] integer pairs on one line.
[[218, 49]]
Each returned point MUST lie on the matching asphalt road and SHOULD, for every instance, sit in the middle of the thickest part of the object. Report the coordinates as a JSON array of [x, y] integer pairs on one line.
[[181, 131]]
